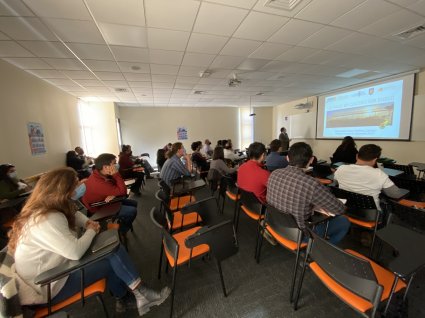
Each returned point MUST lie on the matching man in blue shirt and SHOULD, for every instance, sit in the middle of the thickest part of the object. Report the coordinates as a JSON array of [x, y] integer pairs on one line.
[[274, 160], [174, 168]]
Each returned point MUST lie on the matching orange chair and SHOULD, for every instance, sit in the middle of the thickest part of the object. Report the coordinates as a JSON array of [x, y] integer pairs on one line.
[[358, 281], [175, 203], [228, 189]]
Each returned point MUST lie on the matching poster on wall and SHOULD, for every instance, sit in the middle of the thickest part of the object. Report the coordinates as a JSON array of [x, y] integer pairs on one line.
[[36, 139], [181, 133]]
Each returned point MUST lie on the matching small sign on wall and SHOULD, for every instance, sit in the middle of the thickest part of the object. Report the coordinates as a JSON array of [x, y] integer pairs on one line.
[[36, 139], [181, 133]]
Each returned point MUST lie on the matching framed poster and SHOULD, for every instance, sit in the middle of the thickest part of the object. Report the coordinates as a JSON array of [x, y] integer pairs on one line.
[[36, 139], [181, 133]]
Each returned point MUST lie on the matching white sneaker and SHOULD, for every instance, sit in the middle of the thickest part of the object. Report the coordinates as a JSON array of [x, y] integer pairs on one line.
[[146, 298]]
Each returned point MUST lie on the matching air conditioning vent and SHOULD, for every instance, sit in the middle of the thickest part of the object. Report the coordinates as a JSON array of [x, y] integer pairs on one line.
[[198, 92], [282, 4], [408, 34], [121, 90]]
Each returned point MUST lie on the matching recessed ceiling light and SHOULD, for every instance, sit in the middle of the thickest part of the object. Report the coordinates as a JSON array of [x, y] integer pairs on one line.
[[121, 90]]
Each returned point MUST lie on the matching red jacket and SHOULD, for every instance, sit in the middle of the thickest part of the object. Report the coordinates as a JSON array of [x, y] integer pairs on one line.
[[253, 178], [126, 165], [98, 187]]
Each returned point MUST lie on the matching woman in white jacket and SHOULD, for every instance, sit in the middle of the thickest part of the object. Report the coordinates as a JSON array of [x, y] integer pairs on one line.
[[45, 236]]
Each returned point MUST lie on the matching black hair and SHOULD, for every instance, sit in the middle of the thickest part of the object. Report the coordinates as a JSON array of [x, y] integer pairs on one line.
[[104, 159], [124, 148], [256, 150], [348, 143], [299, 154], [218, 153], [194, 145], [369, 152], [275, 145]]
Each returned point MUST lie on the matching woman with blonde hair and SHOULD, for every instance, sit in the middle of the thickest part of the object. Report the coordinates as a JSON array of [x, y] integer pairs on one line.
[[44, 236]]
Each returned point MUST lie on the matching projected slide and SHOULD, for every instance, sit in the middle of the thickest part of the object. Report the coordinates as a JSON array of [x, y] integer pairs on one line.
[[370, 112]]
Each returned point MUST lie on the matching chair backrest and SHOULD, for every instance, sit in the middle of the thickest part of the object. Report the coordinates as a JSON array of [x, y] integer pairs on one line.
[[227, 184], [360, 206], [206, 208], [409, 217], [250, 201], [170, 244], [214, 177], [164, 186], [221, 238], [407, 169], [354, 273], [283, 223]]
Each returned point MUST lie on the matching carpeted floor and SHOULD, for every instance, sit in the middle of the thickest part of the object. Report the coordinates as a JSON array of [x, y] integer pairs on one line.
[[255, 290]]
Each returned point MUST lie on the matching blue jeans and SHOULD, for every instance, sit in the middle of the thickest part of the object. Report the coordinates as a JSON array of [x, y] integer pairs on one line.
[[127, 214], [337, 229], [117, 268]]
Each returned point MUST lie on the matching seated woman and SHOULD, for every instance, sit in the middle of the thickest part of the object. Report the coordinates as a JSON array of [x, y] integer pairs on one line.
[[200, 161], [218, 163], [44, 237], [78, 164], [10, 185], [127, 169], [346, 151]]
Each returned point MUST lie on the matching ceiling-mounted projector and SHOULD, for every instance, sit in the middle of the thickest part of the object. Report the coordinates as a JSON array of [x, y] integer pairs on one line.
[[234, 82], [304, 105]]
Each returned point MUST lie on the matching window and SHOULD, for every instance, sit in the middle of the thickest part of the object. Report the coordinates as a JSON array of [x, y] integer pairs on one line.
[[246, 128], [87, 126]]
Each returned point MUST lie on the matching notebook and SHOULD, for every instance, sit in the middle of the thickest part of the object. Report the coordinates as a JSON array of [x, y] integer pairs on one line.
[[104, 239]]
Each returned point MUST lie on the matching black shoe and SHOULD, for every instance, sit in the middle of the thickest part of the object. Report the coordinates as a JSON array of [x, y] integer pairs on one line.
[[125, 303]]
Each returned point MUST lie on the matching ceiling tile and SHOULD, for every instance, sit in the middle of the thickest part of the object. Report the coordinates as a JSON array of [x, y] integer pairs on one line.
[[47, 73], [269, 50], [116, 84], [29, 63], [79, 75], [204, 43], [197, 59], [134, 67], [354, 43], [102, 66], [130, 54], [167, 39], [227, 62], [164, 69], [416, 6], [14, 8], [252, 64], [239, 47], [324, 37], [218, 19], [3, 36], [170, 14], [141, 84], [392, 24], [296, 54], [60, 81], [126, 35], [259, 26], [91, 51], [137, 77], [364, 14], [165, 57], [325, 11], [25, 29], [418, 41], [156, 78], [47, 49], [13, 49], [59, 9], [110, 76], [64, 64], [130, 12], [76, 31], [295, 31]]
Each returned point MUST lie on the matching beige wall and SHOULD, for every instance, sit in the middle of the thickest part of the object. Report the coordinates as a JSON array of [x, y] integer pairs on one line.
[[263, 128], [403, 151], [25, 98], [149, 128]]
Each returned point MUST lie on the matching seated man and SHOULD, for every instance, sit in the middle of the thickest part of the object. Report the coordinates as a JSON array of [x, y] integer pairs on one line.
[[128, 170], [274, 160], [174, 168], [200, 161], [228, 151], [207, 150], [105, 184], [363, 178], [294, 192], [252, 176]]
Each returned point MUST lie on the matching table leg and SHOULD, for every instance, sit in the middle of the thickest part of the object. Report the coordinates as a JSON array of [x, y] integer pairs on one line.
[[408, 286]]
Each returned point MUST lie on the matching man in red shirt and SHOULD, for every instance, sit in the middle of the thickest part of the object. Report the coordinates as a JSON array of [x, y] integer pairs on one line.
[[252, 176], [127, 169], [104, 184]]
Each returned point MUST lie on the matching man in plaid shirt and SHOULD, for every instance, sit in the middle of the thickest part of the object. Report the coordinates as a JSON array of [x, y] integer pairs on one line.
[[294, 192]]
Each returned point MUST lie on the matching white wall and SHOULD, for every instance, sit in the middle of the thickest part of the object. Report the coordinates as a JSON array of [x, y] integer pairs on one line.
[[25, 98], [402, 151], [263, 128]]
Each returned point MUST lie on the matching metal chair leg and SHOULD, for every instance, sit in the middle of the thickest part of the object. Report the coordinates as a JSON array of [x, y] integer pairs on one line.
[[100, 299], [221, 278], [160, 261], [173, 287]]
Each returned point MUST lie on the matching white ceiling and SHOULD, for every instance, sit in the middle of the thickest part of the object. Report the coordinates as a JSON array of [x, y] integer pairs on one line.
[[156, 49]]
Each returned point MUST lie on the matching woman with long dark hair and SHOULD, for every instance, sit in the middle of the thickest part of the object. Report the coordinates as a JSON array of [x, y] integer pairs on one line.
[[346, 151], [44, 237]]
